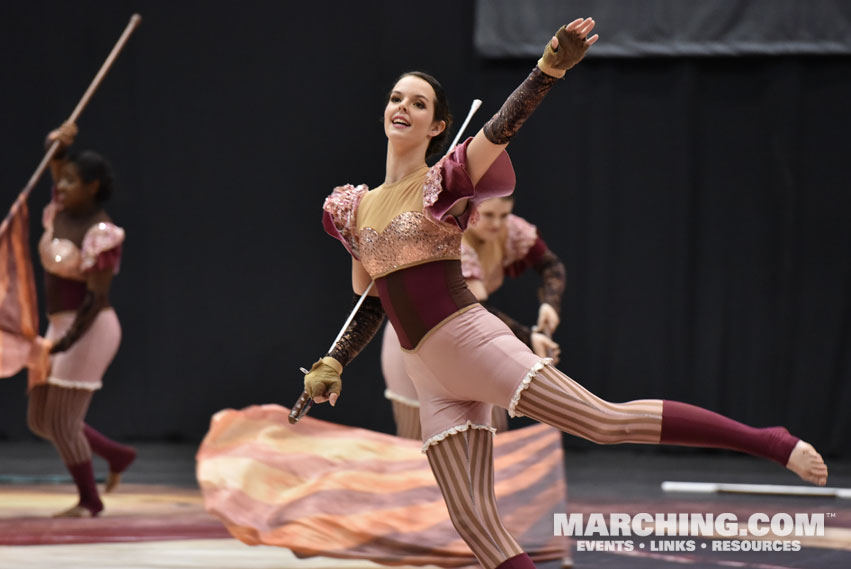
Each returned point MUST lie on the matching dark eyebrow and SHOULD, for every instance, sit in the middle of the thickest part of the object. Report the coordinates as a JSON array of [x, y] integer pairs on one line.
[[416, 96]]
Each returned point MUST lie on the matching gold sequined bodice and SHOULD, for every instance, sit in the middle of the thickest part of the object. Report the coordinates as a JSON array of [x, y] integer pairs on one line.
[[393, 232]]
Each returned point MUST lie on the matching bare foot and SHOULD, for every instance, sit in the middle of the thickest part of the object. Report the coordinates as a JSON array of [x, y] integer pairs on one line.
[[128, 455], [112, 480], [808, 464], [77, 511]]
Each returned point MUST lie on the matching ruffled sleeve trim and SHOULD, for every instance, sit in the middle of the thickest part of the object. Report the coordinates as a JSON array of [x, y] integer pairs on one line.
[[339, 217], [520, 239], [524, 385], [102, 247], [448, 182], [454, 431], [471, 267]]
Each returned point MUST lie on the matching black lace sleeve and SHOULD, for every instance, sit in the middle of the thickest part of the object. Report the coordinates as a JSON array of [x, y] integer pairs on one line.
[[360, 331], [92, 304], [518, 107], [553, 279]]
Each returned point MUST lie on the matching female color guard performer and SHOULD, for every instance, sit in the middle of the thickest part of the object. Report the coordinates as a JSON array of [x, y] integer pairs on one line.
[[405, 235], [80, 251]]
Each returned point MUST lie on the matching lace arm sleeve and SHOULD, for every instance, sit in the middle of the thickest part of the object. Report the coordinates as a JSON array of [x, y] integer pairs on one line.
[[360, 331], [86, 314], [553, 279]]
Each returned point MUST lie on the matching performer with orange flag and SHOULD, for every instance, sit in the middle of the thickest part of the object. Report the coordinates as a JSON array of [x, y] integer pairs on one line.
[[80, 250], [273, 483], [399, 517]]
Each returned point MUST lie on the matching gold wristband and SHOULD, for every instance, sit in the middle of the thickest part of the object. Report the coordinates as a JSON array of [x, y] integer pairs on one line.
[[333, 364], [551, 71]]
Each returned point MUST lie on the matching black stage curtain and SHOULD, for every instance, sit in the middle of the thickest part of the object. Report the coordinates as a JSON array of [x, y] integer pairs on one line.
[[701, 206], [641, 28]]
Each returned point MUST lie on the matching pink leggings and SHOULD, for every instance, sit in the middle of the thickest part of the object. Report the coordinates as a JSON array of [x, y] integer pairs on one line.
[[403, 396]]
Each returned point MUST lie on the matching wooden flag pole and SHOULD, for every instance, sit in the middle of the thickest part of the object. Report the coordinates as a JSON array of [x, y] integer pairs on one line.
[[135, 20]]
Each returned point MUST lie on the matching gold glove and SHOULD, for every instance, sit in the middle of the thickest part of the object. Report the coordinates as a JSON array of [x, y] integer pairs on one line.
[[570, 51], [324, 380]]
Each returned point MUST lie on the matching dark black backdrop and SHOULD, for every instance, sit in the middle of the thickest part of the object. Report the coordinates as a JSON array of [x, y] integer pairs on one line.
[[701, 205]]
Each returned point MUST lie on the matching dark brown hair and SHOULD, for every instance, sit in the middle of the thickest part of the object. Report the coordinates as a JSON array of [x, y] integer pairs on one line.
[[92, 166]]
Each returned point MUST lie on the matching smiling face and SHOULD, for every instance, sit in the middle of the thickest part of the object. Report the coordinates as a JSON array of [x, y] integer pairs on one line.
[[72, 192], [409, 114], [493, 217]]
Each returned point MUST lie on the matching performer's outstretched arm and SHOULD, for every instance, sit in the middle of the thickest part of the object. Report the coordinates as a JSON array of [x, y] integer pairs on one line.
[[566, 49]]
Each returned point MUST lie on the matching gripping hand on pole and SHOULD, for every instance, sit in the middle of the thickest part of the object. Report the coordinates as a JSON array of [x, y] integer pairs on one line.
[[323, 382]]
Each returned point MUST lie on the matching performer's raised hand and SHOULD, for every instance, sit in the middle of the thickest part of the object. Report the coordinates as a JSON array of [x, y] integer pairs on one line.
[[545, 347], [568, 47], [323, 382], [65, 134]]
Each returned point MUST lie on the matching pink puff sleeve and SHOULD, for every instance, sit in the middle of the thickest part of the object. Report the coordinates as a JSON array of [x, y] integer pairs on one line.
[[448, 182], [523, 246], [520, 237], [471, 267], [339, 216], [102, 248]]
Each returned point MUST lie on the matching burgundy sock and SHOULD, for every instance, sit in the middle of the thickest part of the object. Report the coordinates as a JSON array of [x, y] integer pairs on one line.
[[117, 455], [84, 478], [684, 424], [521, 561]]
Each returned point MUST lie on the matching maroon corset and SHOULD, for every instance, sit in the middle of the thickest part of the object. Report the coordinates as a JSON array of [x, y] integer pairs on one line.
[[418, 298], [63, 294]]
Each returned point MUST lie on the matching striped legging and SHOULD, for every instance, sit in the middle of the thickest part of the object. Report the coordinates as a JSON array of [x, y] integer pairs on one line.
[[463, 464], [56, 413], [555, 399]]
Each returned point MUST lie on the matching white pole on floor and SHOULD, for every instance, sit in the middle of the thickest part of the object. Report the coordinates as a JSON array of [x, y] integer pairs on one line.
[[719, 487]]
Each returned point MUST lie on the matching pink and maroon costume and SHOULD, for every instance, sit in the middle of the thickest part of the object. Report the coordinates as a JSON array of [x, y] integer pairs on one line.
[[461, 358], [65, 265], [415, 260], [85, 333], [523, 248]]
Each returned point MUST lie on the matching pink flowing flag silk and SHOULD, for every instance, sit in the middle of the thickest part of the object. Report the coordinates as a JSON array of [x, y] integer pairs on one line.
[[18, 302], [322, 489]]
